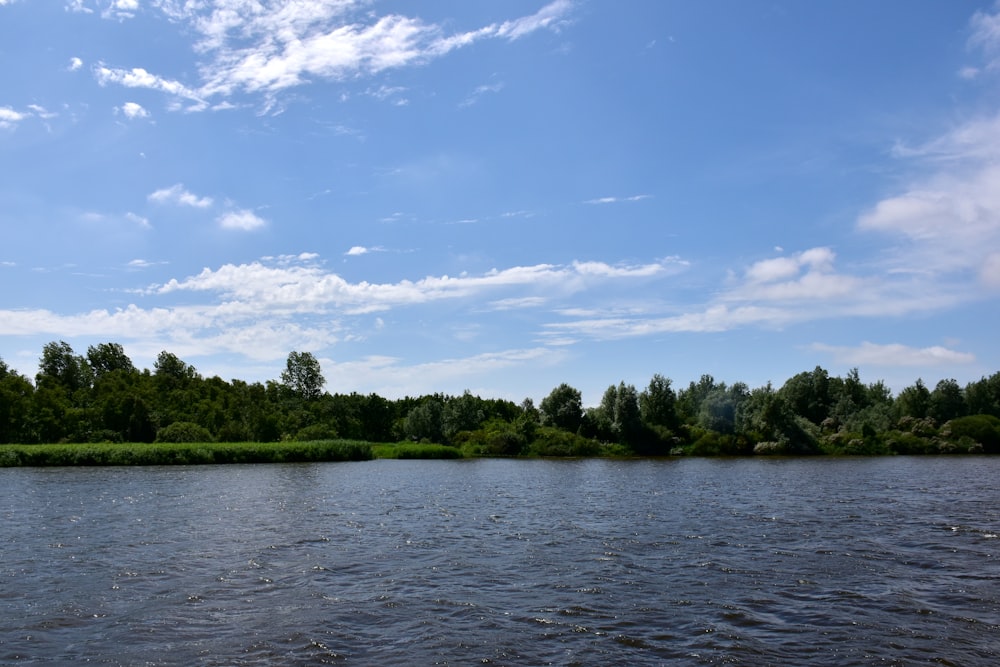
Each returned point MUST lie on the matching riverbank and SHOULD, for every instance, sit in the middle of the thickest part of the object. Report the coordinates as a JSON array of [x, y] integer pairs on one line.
[[136, 454]]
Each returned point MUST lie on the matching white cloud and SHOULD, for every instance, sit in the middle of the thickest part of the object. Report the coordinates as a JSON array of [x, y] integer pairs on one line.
[[268, 46], [74, 64], [138, 77], [553, 15], [138, 219], [476, 94], [262, 310], [309, 288], [950, 218], [143, 264], [616, 200], [985, 29], [354, 251], [244, 219], [121, 9], [176, 194], [773, 293], [516, 303], [133, 110], [78, 6], [782, 279], [990, 271], [895, 354], [42, 112], [9, 118]]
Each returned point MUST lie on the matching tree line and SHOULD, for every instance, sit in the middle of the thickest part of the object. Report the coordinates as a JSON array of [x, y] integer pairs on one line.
[[102, 397]]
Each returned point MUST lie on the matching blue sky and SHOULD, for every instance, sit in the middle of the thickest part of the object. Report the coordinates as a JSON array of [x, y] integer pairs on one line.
[[505, 196]]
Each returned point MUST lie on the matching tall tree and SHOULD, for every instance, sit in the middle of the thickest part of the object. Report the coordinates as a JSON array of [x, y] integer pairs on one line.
[[658, 403], [914, 401], [15, 400], [60, 366], [946, 402], [563, 408], [303, 375], [106, 358]]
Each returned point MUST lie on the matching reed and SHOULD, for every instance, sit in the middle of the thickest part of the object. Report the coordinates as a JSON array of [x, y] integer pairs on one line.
[[187, 453]]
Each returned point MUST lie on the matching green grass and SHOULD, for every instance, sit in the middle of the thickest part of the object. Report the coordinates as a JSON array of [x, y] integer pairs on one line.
[[109, 454]]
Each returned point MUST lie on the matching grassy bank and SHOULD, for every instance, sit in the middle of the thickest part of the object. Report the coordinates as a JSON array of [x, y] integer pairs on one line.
[[416, 450], [109, 454]]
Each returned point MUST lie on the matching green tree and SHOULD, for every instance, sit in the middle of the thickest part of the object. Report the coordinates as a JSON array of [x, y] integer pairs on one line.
[[658, 403], [462, 413], [718, 409], [563, 408], [946, 402], [619, 410], [809, 395], [172, 372], [16, 394], [60, 366], [689, 400], [983, 396], [106, 358], [423, 422], [303, 375], [914, 401]]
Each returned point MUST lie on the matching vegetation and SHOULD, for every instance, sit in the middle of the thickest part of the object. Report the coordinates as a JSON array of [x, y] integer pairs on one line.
[[118, 414], [112, 454]]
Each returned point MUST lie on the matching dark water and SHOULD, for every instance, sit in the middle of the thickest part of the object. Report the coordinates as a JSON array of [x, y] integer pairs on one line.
[[889, 561]]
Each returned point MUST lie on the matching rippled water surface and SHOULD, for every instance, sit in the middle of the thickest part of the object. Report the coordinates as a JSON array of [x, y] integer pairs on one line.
[[888, 561]]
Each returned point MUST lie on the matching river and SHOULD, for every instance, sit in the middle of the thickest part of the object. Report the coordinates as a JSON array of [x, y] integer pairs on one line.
[[857, 561]]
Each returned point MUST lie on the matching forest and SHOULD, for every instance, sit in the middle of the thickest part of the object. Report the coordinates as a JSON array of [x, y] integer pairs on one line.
[[101, 397]]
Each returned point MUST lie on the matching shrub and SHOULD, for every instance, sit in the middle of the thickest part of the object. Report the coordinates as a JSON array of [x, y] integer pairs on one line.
[[413, 450], [551, 441], [982, 429], [316, 432], [183, 432], [904, 442]]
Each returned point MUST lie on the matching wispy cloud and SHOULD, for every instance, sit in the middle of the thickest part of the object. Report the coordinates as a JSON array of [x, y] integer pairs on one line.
[[985, 37], [357, 250], [310, 287], [950, 218], [138, 219], [263, 309], [775, 293], [617, 200], [177, 194], [478, 93], [274, 46], [894, 354], [138, 77], [121, 9]]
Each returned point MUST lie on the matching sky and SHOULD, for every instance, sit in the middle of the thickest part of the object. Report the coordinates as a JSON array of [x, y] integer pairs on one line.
[[501, 197]]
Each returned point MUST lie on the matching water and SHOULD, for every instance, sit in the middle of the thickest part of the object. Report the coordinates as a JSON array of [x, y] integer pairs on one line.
[[888, 561]]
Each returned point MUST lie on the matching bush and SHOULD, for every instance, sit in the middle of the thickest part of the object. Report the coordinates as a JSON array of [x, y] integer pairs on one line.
[[901, 442], [982, 429], [551, 441], [316, 432], [414, 450], [183, 432]]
